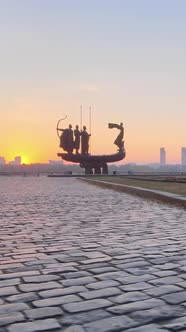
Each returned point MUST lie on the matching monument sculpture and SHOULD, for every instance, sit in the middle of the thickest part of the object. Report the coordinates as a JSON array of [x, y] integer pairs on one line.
[[93, 164], [77, 135]]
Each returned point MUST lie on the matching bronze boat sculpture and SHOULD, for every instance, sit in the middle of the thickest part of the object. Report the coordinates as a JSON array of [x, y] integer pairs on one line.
[[93, 164]]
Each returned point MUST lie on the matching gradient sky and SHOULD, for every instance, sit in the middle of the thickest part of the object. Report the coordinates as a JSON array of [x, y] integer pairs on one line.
[[124, 58]]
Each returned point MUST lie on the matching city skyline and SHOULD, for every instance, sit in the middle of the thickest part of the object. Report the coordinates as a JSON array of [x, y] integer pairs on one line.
[[124, 59], [162, 159]]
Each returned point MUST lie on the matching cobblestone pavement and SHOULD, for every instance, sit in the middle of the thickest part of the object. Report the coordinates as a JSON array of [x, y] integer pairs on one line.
[[77, 258]]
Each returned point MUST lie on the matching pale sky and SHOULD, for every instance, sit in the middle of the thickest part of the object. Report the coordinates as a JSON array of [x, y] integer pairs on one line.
[[124, 58]]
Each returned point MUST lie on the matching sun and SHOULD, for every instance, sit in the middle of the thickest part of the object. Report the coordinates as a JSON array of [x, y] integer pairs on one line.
[[25, 159]]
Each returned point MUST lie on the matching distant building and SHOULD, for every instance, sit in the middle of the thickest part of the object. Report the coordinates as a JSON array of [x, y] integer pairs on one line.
[[16, 161], [162, 156], [55, 162], [183, 156], [2, 161]]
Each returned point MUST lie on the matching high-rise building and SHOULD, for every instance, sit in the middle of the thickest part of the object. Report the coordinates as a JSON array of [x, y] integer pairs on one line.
[[2, 161], [17, 160], [183, 156], [162, 156]]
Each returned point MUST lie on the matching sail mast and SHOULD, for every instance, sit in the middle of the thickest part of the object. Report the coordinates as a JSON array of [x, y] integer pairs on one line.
[[90, 119], [81, 117]]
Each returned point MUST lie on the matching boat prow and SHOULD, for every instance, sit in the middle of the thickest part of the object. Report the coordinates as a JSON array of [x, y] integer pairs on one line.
[[81, 158]]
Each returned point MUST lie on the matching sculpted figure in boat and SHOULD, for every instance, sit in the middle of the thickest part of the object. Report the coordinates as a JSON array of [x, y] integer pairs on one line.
[[66, 139], [119, 139]]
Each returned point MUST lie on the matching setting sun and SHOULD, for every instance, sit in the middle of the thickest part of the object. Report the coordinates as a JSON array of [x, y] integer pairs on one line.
[[25, 159]]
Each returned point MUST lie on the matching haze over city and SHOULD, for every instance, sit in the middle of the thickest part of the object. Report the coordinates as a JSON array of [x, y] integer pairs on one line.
[[125, 59]]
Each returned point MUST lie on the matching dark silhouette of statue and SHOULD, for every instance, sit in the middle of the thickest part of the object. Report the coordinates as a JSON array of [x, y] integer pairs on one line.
[[84, 141], [66, 139], [93, 164], [77, 134], [119, 139]]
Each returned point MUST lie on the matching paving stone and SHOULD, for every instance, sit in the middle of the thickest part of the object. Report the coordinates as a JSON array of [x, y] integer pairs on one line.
[[77, 274], [4, 291], [96, 260], [95, 254], [183, 261], [64, 265], [12, 307], [82, 318], [62, 291], [77, 253], [23, 297], [134, 306], [105, 292], [157, 314], [41, 261], [75, 328], [87, 305], [18, 274], [139, 263], [167, 266], [75, 259], [175, 298], [40, 278], [134, 279], [182, 284], [38, 286], [43, 312], [33, 256], [92, 266], [165, 273], [78, 281], [162, 290], [136, 287], [102, 284], [152, 255], [10, 318], [110, 324], [103, 269], [24, 269], [182, 268], [148, 328], [53, 301], [178, 324], [9, 282], [112, 275], [59, 269], [126, 257], [21, 259], [25, 251], [166, 281], [141, 270], [159, 261], [39, 325], [130, 297], [53, 249], [90, 245], [10, 266]]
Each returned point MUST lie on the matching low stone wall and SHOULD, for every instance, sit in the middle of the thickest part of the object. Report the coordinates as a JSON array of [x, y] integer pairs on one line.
[[160, 196]]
